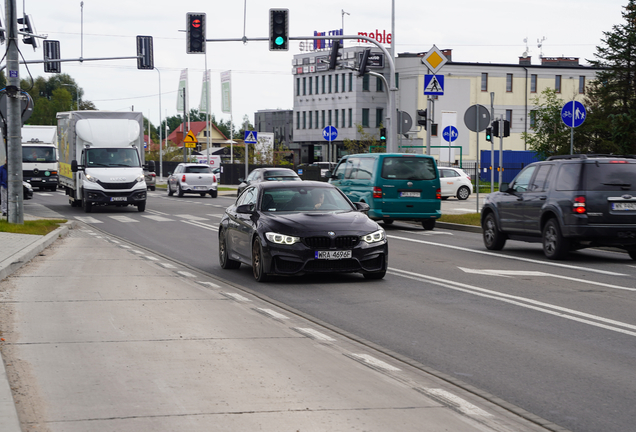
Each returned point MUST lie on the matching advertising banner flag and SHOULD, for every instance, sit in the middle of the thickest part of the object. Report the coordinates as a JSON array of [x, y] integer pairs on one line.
[[183, 85], [205, 91], [226, 92]]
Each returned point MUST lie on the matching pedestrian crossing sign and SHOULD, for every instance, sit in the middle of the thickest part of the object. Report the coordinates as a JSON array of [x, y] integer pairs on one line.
[[434, 85], [250, 137]]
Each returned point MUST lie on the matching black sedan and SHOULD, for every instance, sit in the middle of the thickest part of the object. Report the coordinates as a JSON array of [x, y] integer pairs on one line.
[[292, 228]]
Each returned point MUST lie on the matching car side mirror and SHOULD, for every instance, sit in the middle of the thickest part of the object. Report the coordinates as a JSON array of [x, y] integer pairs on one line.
[[245, 209], [74, 166], [169, 173], [362, 207], [151, 166], [241, 179]]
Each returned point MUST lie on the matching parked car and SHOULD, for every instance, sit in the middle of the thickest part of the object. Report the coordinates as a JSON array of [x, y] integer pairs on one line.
[[567, 203], [192, 178], [296, 227], [267, 174], [151, 180], [217, 172], [325, 167], [454, 182], [396, 186], [27, 190]]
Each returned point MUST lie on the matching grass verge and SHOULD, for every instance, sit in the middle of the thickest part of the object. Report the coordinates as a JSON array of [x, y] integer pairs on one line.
[[464, 219], [35, 227]]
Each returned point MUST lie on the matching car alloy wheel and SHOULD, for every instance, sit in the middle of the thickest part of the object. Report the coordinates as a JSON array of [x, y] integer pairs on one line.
[[224, 259], [493, 238], [463, 193], [555, 246], [257, 261]]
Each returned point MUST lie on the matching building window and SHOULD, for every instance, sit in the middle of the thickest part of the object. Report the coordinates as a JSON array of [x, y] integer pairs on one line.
[[582, 84], [304, 120], [365, 116], [311, 85], [323, 84], [343, 118], [304, 86], [378, 117], [335, 114], [335, 84], [557, 83], [533, 83], [344, 82], [317, 119], [350, 81], [297, 120], [533, 118], [379, 84], [329, 119], [509, 117], [484, 82], [297, 86], [317, 80], [323, 119], [330, 82], [350, 117], [365, 82], [310, 118], [434, 129], [509, 83]]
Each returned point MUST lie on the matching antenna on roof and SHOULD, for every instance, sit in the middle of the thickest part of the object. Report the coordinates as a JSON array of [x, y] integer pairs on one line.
[[539, 45]]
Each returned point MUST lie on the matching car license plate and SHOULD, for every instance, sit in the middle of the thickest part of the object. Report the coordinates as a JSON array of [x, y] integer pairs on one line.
[[624, 206], [410, 194], [200, 188], [119, 198], [333, 255]]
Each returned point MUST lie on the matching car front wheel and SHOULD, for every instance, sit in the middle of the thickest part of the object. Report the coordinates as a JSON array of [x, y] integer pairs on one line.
[[493, 238], [463, 193], [257, 262], [170, 193], [555, 246]]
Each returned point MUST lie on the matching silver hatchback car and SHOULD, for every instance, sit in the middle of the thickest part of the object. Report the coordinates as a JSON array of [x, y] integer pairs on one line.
[[192, 178]]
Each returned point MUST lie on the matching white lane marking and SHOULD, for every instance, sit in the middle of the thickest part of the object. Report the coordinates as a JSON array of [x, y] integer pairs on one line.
[[511, 273], [374, 362], [215, 215], [428, 232], [313, 334], [167, 265], [201, 225], [150, 258], [157, 212], [235, 296], [124, 219], [208, 284], [190, 217], [550, 263], [158, 218], [523, 302], [186, 274], [272, 313], [88, 219], [125, 246], [137, 251], [448, 398]]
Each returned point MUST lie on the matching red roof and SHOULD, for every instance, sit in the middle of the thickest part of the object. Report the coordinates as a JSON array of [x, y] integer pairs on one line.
[[176, 136]]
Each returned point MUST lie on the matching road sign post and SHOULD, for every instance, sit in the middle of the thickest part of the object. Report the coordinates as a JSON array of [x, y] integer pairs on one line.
[[573, 115], [330, 133]]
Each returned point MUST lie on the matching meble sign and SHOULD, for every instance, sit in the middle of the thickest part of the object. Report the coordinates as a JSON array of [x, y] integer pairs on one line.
[[316, 45]]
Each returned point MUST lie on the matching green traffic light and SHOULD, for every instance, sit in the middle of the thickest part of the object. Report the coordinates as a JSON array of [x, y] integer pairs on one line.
[[279, 40]]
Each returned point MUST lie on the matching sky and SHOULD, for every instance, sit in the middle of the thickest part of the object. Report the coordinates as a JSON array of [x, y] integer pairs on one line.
[[487, 31]]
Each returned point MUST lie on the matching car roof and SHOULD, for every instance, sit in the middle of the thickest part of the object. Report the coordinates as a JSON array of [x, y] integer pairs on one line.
[[294, 185], [188, 164]]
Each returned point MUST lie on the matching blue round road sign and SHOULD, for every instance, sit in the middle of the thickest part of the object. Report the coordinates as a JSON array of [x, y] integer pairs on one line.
[[450, 133], [573, 114], [330, 133]]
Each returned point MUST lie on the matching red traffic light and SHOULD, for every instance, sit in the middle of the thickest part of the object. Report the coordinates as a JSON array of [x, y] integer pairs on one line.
[[196, 23]]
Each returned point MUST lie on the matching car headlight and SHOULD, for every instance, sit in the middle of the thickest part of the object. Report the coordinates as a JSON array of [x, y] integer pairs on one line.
[[281, 238], [374, 237], [140, 178], [90, 178]]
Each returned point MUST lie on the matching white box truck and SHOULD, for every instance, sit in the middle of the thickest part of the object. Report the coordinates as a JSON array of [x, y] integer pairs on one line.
[[102, 158], [39, 156]]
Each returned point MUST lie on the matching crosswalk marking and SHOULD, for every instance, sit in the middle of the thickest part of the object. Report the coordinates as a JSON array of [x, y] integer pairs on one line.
[[124, 219], [88, 219], [190, 217], [158, 218]]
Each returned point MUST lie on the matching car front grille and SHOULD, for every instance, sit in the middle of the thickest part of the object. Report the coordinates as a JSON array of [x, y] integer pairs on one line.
[[328, 242], [117, 185]]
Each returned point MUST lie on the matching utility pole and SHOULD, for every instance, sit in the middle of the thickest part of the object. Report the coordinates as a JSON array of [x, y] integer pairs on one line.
[[15, 202]]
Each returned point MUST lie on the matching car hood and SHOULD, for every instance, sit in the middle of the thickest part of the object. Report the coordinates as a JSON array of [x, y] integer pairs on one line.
[[319, 223]]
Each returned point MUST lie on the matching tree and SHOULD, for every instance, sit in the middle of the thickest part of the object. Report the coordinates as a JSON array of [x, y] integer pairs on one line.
[[612, 97], [364, 144], [551, 136]]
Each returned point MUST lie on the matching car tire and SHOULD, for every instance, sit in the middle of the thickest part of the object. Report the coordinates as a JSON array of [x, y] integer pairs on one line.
[[179, 191], [87, 206], [170, 193], [632, 254], [444, 198], [53, 189], [257, 262], [152, 188], [493, 238], [387, 221], [555, 246], [463, 193], [203, 194], [141, 207], [224, 259], [214, 194], [428, 224]]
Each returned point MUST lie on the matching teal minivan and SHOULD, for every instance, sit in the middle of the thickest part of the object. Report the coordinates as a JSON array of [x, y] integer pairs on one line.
[[396, 186]]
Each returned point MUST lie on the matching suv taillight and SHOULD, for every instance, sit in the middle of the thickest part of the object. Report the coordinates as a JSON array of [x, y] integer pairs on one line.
[[214, 178], [377, 192], [183, 178], [438, 194], [579, 205]]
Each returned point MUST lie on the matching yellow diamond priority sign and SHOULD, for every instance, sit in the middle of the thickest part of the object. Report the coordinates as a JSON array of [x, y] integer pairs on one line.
[[190, 140], [434, 59]]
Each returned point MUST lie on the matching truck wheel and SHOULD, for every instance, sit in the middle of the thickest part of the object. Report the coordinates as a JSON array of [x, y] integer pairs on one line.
[[87, 205], [53, 188], [141, 206]]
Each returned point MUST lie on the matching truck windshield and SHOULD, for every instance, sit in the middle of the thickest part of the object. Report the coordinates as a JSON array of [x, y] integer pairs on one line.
[[112, 157], [39, 154]]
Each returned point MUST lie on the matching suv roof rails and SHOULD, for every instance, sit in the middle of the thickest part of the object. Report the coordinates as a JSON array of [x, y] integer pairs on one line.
[[587, 156]]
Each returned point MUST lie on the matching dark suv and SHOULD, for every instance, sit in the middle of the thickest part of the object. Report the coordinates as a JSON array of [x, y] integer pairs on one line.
[[567, 203]]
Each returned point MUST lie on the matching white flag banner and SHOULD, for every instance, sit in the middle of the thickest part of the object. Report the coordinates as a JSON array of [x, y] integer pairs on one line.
[[226, 92], [183, 92], [205, 91]]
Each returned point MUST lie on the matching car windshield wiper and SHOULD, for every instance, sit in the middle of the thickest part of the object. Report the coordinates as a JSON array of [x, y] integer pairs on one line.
[[618, 184]]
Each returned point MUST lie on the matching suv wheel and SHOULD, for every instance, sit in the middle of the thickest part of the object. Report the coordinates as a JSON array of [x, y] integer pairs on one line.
[[493, 238], [555, 246]]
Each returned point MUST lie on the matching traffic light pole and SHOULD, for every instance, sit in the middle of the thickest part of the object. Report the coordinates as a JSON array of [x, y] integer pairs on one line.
[[391, 142]]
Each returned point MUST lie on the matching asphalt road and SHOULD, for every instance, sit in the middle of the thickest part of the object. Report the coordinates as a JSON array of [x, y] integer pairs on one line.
[[554, 338]]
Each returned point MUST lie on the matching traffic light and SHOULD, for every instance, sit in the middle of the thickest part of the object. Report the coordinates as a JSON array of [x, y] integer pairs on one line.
[[495, 128], [363, 62], [195, 33], [383, 136], [333, 57], [489, 134], [145, 58], [279, 29], [52, 52], [27, 22], [421, 117], [506, 128]]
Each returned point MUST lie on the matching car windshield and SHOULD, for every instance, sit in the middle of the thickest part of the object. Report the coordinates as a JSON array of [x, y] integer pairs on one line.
[[198, 170], [303, 200], [112, 157], [280, 175], [408, 168]]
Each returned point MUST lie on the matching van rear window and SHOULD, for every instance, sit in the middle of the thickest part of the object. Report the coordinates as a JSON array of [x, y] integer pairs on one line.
[[408, 168]]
